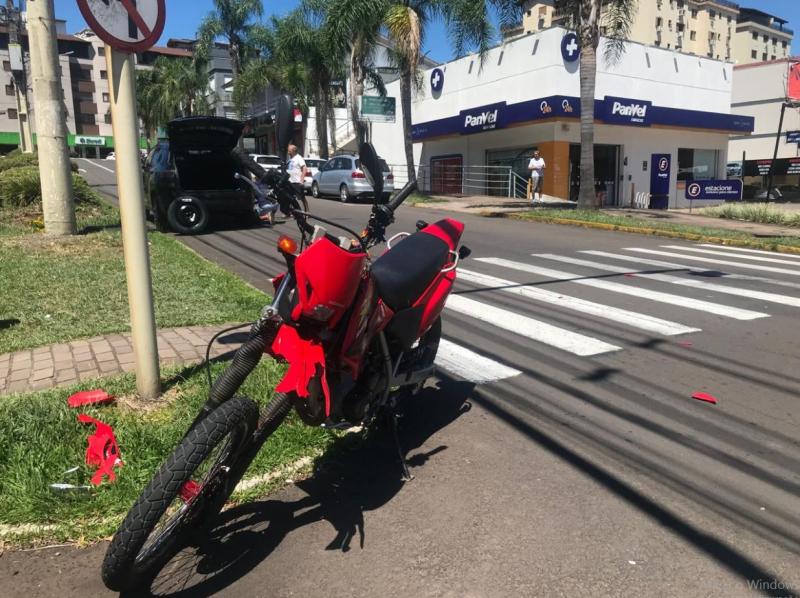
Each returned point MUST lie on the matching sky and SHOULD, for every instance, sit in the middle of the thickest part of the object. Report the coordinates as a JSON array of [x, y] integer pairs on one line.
[[183, 17]]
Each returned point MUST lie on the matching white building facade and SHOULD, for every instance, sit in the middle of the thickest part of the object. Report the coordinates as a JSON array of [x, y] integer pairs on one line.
[[649, 105]]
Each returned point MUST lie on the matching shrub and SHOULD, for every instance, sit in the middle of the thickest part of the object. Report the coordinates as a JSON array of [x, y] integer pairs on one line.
[[17, 159], [20, 187]]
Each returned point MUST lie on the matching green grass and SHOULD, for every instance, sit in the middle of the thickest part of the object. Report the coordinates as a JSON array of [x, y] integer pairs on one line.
[[40, 439], [74, 288], [595, 216], [754, 212]]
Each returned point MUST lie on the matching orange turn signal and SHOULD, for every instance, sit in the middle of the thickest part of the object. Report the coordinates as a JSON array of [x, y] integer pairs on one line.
[[287, 245]]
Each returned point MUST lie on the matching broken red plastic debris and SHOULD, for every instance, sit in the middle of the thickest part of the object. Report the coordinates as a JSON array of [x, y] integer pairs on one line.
[[703, 396], [189, 490], [89, 397], [686, 343], [103, 450]]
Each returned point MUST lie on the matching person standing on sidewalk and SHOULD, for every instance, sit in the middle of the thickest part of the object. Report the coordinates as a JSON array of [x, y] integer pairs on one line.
[[297, 170], [536, 167]]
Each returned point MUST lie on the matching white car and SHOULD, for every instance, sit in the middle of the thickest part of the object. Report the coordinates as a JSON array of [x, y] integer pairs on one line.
[[312, 164], [111, 156], [267, 161]]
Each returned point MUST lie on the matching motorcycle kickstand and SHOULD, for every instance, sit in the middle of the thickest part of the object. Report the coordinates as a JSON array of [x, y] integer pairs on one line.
[[393, 417]]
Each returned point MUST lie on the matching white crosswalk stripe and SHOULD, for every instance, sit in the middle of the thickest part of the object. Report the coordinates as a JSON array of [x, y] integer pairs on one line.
[[746, 250], [537, 330], [754, 258], [709, 260], [636, 259], [607, 312], [615, 287], [698, 284], [469, 365]]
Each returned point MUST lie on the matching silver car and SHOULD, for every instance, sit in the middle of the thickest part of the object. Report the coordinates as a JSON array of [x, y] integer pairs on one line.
[[342, 176]]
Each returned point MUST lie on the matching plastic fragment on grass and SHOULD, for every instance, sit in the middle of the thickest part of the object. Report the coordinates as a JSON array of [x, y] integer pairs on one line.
[[90, 397], [704, 396], [63, 486], [189, 491], [103, 450]]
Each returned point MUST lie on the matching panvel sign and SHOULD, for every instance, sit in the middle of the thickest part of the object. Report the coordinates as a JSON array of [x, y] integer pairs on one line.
[[483, 118], [729, 189], [625, 111]]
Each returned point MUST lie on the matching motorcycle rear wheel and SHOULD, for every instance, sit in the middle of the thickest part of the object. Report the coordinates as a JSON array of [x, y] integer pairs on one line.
[[189, 489]]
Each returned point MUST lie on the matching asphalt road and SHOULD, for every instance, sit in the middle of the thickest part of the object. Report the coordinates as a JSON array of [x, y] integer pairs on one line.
[[559, 452]]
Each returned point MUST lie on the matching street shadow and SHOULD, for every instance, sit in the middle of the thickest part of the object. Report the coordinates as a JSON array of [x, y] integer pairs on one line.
[[357, 474]]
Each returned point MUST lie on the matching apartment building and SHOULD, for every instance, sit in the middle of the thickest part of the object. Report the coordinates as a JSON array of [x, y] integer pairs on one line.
[[716, 29], [761, 37], [84, 83], [220, 75]]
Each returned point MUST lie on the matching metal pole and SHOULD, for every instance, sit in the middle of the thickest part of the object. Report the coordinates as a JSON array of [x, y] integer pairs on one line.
[[51, 128], [775, 153], [122, 85]]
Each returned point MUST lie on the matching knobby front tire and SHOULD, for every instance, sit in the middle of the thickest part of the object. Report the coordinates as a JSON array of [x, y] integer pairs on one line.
[[204, 459]]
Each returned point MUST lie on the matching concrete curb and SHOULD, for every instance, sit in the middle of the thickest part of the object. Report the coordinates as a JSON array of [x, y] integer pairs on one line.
[[752, 243]]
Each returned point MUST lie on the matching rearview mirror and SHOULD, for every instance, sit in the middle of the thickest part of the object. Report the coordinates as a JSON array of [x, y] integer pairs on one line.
[[284, 125], [371, 166]]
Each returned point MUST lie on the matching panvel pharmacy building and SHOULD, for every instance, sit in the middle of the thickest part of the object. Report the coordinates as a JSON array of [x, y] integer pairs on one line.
[[662, 118]]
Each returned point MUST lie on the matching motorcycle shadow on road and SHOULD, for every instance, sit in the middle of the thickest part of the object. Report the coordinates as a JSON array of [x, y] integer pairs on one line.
[[356, 475]]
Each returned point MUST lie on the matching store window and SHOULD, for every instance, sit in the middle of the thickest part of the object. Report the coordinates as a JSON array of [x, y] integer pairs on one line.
[[697, 164]]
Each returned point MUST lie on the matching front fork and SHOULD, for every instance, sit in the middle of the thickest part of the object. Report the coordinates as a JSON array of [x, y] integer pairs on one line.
[[247, 357]]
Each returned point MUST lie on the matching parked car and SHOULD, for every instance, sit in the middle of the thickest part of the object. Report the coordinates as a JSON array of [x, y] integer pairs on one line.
[[267, 161], [190, 176], [342, 176], [111, 156], [312, 164]]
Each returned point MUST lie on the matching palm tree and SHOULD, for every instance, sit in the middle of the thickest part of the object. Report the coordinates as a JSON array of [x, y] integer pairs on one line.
[[469, 23], [586, 17], [302, 40], [232, 20], [174, 87], [354, 27]]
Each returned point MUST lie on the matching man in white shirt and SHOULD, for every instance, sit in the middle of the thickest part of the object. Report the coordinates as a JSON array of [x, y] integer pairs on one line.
[[296, 167], [536, 168]]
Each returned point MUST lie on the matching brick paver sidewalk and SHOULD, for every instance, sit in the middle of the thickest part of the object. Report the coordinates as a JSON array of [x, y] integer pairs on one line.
[[67, 363]]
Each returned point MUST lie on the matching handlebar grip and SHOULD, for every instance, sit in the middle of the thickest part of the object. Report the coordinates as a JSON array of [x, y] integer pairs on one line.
[[409, 188]]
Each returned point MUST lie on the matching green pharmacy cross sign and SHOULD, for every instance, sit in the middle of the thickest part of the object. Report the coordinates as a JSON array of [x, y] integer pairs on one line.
[[377, 109]]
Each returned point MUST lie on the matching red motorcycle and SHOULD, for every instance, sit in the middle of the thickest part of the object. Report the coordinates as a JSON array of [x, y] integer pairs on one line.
[[356, 333]]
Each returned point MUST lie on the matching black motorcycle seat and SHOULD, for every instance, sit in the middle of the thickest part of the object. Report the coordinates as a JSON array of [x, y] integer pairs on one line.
[[404, 272]]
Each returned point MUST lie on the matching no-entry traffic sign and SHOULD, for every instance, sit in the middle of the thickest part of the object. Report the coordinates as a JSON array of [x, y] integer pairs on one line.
[[126, 25]]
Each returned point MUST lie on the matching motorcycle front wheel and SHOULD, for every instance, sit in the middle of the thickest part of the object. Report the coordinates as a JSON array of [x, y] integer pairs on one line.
[[190, 488]]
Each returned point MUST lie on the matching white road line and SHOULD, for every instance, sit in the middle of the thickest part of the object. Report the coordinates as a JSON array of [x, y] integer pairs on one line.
[[106, 168], [662, 264], [745, 250], [542, 332], [697, 258], [697, 284], [607, 312], [754, 258], [469, 365], [615, 287]]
